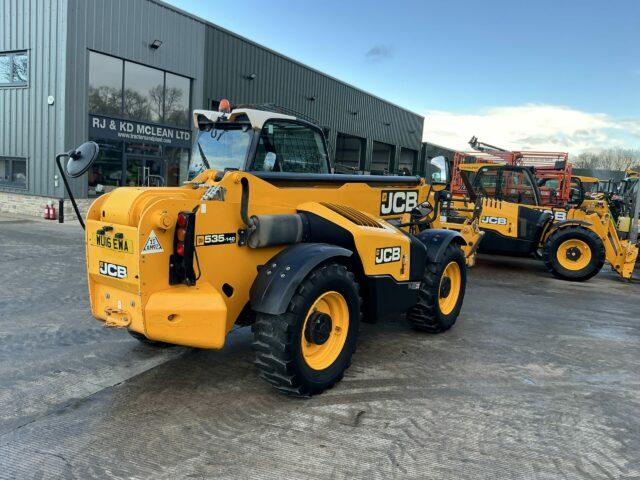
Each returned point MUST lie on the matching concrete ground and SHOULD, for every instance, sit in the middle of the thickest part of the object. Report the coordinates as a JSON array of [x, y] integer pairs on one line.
[[540, 378]]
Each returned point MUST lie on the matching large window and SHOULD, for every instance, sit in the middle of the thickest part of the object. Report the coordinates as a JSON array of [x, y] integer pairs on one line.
[[126, 89], [14, 69], [105, 84], [13, 172], [290, 147], [176, 100], [143, 92]]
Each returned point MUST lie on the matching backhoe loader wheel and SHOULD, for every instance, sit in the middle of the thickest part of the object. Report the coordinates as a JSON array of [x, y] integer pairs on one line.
[[574, 253], [441, 293], [307, 349]]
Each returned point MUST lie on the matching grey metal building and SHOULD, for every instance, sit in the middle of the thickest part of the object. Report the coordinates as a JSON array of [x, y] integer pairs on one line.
[[127, 73]]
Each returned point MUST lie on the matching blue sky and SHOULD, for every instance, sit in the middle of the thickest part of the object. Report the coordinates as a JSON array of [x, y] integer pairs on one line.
[[460, 63]]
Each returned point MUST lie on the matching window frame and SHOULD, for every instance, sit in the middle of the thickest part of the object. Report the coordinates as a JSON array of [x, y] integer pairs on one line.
[[14, 53], [9, 183], [164, 73]]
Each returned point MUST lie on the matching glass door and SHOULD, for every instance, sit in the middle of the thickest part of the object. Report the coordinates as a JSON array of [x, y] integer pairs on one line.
[[144, 171]]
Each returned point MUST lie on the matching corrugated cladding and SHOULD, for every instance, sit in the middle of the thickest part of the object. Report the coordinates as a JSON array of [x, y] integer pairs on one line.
[[29, 127], [125, 28], [229, 59]]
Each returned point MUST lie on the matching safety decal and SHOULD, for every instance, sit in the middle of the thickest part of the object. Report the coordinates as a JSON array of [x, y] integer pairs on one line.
[[153, 244], [215, 239]]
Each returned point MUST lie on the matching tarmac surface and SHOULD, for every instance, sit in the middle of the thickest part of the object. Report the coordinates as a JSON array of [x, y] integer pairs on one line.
[[539, 378]]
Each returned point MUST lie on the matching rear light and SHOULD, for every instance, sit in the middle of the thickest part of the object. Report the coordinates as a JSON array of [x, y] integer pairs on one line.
[[181, 262], [181, 233]]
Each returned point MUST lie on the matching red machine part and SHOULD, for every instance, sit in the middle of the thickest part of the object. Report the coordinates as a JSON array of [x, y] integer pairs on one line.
[[549, 166]]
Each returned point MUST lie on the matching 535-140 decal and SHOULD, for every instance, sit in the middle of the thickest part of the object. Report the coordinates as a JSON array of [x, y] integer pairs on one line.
[[215, 239]]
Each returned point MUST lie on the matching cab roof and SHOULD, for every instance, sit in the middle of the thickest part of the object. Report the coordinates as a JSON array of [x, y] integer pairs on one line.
[[257, 118]]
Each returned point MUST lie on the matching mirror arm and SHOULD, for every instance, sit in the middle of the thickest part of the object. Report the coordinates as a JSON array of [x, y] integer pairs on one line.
[[68, 188]]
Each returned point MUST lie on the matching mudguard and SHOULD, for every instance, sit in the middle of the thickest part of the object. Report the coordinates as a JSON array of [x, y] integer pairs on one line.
[[278, 279], [567, 223], [437, 241]]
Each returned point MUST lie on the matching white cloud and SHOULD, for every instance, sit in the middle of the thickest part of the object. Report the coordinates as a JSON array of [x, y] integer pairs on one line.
[[532, 127]]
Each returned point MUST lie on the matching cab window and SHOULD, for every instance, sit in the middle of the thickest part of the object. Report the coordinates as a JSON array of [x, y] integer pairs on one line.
[[486, 182], [290, 147], [516, 187]]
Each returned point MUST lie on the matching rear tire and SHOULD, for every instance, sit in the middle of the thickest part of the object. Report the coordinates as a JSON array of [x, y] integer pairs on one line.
[[574, 254], [441, 292], [299, 358]]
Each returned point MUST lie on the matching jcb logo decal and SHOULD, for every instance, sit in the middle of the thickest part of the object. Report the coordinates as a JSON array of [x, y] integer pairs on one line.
[[387, 255], [493, 220], [558, 215], [113, 270], [398, 201]]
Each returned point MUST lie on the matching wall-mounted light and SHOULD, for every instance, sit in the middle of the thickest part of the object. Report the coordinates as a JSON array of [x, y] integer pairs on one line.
[[156, 44], [411, 131], [387, 124], [311, 98], [353, 112], [250, 76]]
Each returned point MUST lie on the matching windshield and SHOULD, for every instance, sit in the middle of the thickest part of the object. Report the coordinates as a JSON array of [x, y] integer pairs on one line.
[[224, 146]]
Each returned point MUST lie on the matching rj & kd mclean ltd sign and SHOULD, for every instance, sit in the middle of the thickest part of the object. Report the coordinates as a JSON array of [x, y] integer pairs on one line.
[[128, 130]]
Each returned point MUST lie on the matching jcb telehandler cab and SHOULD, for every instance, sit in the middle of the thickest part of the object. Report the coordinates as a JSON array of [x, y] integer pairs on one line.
[[265, 235], [574, 241]]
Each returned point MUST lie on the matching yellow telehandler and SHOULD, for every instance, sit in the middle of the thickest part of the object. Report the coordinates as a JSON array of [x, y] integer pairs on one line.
[[574, 241], [265, 235]]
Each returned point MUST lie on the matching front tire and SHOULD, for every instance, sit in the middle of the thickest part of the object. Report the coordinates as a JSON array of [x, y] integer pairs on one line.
[[574, 253], [441, 292], [307, 349]]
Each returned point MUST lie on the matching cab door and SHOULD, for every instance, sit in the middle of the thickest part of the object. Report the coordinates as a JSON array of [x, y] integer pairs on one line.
[[510, 216]]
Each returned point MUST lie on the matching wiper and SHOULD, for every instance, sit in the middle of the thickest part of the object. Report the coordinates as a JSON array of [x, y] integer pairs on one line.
[[203, 156]]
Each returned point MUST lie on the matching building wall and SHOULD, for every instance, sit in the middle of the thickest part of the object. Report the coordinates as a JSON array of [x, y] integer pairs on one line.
[[29, 127], [229, 59], [125, 28]]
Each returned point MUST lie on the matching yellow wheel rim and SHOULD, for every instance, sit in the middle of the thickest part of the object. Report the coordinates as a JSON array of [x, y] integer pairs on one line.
[[574, 254], [323, 337], [449, 289]]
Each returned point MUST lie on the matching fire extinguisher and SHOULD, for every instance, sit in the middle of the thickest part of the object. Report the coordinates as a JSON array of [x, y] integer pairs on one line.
[[52, 212]]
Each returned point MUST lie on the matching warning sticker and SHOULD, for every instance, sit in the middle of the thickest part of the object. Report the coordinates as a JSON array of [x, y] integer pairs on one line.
[[153, 244]]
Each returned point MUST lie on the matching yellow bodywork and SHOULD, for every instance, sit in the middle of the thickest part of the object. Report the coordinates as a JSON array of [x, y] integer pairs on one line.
[[120, 224]]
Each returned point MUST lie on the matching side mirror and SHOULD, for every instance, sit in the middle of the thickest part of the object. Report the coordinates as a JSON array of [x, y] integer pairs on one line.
[[438, 169], [81, 159], [269, 161]]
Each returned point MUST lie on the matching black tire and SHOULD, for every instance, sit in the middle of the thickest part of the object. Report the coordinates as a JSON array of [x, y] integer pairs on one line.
[[277, 339], [152, 343], [553, 243], [426, 315]]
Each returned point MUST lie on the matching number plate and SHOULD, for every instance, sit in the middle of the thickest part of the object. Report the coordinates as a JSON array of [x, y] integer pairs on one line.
[[112, 243]]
